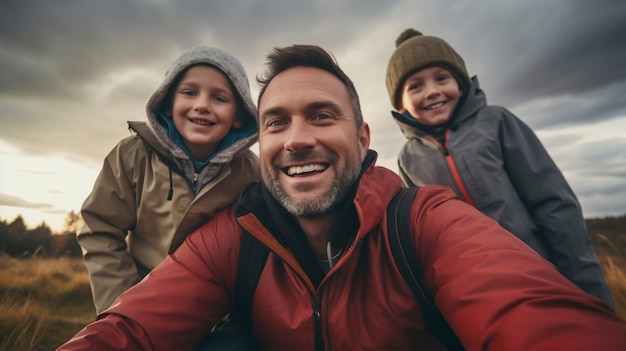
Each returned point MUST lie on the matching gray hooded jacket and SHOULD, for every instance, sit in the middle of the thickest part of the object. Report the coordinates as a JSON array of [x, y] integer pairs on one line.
[[495, 162]]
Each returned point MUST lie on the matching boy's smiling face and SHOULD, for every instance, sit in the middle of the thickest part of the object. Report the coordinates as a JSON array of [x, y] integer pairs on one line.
[[204, 109], [430, 95]]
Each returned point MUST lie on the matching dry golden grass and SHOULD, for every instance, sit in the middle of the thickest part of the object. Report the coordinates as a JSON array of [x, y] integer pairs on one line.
[[615, 274], [43, 302], [26, 334]]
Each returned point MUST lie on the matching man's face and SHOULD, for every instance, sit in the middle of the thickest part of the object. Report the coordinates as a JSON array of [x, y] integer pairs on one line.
[[311, 150]]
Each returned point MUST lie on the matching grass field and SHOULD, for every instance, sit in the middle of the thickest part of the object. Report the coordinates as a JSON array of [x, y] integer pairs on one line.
[[44, 302], [615, 273]]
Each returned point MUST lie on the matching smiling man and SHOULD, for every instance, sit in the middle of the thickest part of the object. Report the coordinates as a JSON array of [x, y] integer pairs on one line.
[[312, 148], [330, 282]]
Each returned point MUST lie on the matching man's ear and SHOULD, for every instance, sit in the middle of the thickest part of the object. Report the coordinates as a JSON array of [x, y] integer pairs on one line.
[[364, 139]]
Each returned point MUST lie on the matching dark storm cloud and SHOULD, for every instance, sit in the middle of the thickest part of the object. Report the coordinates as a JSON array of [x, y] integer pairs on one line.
[[567, 108], [52, 47], [563, 48], [58, 127], [53, 53], [580, 47], [73, 72], [55, 47]]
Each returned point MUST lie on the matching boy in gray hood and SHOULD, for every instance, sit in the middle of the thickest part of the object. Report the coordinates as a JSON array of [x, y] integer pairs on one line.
[[487, 155], [191, 160]]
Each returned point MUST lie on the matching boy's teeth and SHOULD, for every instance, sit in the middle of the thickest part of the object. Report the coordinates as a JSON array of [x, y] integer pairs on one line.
[[304, 169], [437, 105], [198, 121]]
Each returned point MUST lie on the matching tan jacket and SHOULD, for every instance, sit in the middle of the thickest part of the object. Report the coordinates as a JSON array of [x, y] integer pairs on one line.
[[130, 226]]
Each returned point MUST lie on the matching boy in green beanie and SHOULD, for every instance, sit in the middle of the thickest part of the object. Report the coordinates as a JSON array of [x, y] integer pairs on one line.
[[487, 155]]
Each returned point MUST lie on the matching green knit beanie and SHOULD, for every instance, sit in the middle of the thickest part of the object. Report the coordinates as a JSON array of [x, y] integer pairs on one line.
[[415, 51]]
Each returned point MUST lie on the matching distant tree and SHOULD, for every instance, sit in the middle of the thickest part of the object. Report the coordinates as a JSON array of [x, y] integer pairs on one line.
[[73, 222], [4, 228], [15, 238], [72, 248], [38, 239], [17, 227], [64, 244]]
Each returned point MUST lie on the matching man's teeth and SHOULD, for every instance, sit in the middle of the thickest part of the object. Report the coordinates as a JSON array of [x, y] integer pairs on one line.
[[295, 170], [437, 105]]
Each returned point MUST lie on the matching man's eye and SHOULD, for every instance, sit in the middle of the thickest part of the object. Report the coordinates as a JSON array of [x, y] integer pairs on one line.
[[322, 116], [275, 123]]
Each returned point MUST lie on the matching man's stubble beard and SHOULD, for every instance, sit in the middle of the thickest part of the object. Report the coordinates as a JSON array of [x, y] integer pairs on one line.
[[325, 203]]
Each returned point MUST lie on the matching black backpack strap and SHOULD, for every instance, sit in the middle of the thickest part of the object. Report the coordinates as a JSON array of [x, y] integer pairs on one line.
[[408, 262], [252, 257]]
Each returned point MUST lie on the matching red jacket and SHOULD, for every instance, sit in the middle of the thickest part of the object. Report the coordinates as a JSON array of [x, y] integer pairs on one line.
[[496, 292]]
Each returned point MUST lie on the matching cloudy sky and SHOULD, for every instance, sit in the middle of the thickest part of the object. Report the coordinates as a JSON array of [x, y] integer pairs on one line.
[[73, 72]]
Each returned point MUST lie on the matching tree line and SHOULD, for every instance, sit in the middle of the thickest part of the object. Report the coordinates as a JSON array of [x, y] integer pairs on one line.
[[18, 241], [608, 235]]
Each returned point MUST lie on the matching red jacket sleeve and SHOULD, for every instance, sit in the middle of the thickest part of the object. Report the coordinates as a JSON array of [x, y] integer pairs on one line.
[[496, 292], [184, 297]]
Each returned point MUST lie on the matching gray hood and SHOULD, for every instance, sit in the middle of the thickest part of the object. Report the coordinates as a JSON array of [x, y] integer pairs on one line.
[[233, 69]]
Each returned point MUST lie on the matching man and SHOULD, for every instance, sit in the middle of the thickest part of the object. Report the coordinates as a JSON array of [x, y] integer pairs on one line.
[[330, 282]]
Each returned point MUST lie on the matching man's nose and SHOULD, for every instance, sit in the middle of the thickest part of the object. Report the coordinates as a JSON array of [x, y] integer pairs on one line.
[[300, 136]]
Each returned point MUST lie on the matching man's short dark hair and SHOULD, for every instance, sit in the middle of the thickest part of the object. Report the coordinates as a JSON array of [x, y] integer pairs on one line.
[[282, 59]]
